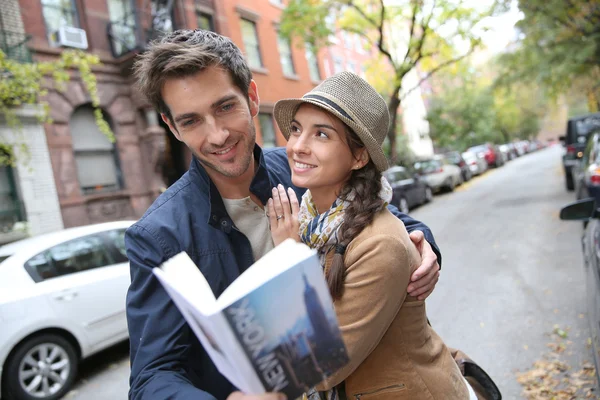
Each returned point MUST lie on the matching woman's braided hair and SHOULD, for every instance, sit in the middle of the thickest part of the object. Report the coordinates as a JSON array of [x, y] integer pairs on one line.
[[361, 210]]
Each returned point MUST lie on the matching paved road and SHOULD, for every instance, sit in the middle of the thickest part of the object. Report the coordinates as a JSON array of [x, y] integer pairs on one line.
[[511, 272], [511, 269]]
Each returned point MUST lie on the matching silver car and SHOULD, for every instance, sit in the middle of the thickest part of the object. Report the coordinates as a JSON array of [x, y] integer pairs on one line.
[[476, 164], [439, 173]]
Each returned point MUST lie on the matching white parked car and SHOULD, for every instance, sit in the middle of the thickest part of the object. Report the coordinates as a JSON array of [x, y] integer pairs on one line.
[[439, 173], [62, 298]]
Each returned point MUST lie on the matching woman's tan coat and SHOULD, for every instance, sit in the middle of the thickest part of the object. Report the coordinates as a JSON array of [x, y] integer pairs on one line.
[[394, 353]]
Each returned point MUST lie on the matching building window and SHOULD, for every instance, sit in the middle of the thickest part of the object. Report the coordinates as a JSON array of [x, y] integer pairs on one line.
[[250, 38], [351, 67], [122, 26], [347, 40], [330, 24], [58, 13], [359, 44], [338, 65], [95, 157], [267, 130], [285, 55], [205, 21], [313, 63]]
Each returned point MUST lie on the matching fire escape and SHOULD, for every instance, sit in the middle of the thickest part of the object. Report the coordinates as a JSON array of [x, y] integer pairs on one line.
[[137, 27]]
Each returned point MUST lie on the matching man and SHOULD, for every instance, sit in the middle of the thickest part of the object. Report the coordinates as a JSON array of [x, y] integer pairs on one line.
[[200, 83]]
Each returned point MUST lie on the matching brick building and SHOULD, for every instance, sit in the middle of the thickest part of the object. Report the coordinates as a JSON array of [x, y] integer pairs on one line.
[[96, 180]]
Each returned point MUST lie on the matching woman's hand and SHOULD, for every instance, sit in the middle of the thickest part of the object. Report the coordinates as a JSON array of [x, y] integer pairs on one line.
[[283, 215]]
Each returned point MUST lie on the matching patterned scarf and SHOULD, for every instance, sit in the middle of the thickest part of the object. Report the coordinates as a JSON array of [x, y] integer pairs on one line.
[[320, 232]]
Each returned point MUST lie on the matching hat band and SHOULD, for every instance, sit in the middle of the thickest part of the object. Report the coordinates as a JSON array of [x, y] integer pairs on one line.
[[329, 103]]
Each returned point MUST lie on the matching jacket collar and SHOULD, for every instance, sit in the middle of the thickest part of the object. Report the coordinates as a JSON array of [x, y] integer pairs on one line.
[[217, 216]]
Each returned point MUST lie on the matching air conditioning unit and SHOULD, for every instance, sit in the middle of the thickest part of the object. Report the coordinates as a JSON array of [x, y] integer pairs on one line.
[[68, 36]]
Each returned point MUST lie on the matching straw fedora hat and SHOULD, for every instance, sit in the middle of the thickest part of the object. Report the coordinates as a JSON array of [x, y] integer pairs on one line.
[[351, 99]]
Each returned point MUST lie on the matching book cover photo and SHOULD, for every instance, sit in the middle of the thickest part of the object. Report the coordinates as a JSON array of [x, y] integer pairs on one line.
[[289, 331]]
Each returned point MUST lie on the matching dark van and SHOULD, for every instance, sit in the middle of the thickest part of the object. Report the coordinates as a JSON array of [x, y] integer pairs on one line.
[[578, 130]]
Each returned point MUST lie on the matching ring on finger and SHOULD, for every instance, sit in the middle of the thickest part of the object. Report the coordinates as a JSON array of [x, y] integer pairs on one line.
[[279, 217]]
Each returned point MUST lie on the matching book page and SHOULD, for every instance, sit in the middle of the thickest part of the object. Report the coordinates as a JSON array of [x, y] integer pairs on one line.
[[281, 258], [288, 328], [213, 331], [183, 274]]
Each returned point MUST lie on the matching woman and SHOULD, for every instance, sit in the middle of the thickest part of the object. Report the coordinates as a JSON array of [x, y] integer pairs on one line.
[[334, 134]]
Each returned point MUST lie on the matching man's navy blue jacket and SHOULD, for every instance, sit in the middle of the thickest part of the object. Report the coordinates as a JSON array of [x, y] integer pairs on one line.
[[167, 361]]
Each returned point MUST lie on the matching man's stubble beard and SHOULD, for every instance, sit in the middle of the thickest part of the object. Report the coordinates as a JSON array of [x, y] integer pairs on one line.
[[245, 161]]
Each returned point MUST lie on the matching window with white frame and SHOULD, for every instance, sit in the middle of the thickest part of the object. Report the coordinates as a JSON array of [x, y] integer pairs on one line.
[[58, 13], [122, 26], [95, 156], [348, 42], [313, 63], [351, 67], [338, 65], [285, 55], [251, 44], [267, 130]]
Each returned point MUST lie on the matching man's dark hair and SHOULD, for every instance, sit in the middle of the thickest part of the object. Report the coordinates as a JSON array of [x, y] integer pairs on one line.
[[187, 52]]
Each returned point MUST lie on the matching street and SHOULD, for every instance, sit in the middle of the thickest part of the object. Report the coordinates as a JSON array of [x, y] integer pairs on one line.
[[511, 275]]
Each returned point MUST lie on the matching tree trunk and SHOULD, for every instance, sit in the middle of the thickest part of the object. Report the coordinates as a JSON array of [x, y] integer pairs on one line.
[[506, 135], [393, 107]]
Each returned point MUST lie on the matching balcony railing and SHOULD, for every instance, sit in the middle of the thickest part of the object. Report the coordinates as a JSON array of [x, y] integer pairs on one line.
[[136, 30], [14, 45]]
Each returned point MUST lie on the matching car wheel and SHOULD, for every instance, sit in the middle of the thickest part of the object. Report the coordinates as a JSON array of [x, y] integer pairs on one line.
[[41, 368], [450, 184], [428, 194], [569, 181], [403, 205]]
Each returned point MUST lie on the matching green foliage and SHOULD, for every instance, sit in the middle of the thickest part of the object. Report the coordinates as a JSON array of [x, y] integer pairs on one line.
[[558, 46], [405, 33], [24, 84], [471, 111]]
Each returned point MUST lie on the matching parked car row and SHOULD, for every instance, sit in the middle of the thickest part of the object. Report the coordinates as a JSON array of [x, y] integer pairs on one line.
[[581, 163], [416, 185]]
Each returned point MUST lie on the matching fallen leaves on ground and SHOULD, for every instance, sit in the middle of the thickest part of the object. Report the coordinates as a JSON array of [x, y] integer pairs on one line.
[[552, 378]]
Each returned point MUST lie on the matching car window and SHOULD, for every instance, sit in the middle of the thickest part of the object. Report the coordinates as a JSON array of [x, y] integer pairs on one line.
[[468, 156], [478, 149], [116, 240], [454, 158], [584, 126], [427, 166], [40, 268], [403, 175], [79, 255]]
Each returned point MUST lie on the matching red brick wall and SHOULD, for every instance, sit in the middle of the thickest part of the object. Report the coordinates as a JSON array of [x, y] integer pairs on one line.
[[272, 84], [134, 139]]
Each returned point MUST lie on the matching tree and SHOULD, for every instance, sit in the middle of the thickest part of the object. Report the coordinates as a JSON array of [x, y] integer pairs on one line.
[[408, 34], [558, 47], [25, 84], [463, 117], [471, 110], [519, 110]]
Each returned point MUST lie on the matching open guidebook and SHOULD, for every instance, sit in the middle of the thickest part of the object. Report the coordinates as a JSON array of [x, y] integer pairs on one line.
[[273, 329]]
